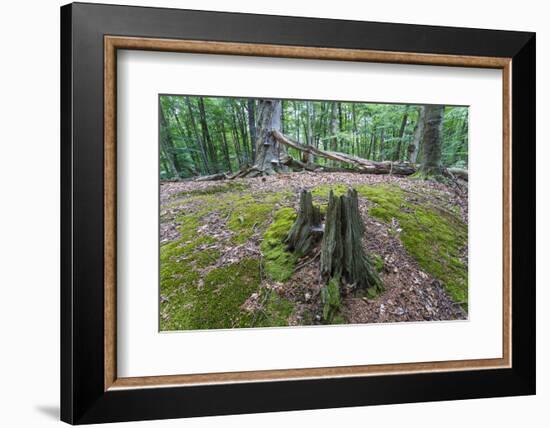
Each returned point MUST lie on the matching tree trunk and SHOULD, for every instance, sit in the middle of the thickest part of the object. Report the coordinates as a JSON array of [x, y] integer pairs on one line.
[[251, 110], [371, 144], [431, 142], [381, 145], [418, 132], [342, 252], [225, 147], [397, 153], [333, 128], [307, 229], [235, 134], [200, 143], [185, 136], [267, 147], [243, 128], [355, 140], [310, 120], [167, 146], [206, 135]]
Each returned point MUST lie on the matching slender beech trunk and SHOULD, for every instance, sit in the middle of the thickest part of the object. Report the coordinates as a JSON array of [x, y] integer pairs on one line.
[[355, 139], [371, 145], [333, 145], [212, 152], [308, 158], [251, 111], [185, 136], [199, 142], [225, 147], [381, 145], [461, 132], [397, 153], [241, 149], [167, 146]]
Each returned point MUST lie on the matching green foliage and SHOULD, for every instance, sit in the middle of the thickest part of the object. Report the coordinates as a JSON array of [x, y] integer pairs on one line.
[[367, 130], [279, 263]]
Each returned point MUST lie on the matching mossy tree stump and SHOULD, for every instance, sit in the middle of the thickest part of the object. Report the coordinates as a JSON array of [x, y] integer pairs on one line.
[[342, 253], [307, 229]]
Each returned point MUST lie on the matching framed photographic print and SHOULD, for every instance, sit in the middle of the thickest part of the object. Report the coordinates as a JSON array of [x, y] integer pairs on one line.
[[264, 213]]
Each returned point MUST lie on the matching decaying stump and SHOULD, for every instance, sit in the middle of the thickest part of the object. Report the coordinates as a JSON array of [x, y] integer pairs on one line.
[[307, 229], [342, 253]]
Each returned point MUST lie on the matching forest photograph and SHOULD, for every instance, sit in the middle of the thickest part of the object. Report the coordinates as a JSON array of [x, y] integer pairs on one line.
[[283, 212]]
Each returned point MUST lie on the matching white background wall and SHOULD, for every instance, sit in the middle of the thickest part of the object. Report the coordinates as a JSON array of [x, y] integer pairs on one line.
[[29, 213]]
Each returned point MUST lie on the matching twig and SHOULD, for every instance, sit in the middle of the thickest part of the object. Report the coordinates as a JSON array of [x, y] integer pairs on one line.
[[307, 262]]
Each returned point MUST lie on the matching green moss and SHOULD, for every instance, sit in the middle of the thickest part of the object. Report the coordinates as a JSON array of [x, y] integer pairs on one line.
[[230, 186], [339, 319], [378, 262], [217, 302], [246, 217], [279, 263], [276, 312], [433, 236], [194, 300], [433, 176], [330, 297], [323, 190]]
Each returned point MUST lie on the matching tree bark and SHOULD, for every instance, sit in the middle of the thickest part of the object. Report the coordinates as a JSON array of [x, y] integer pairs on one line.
[[307, 229], [413, 148], [397, 152], [225, 147], [200, 143], [167, 146], [333, 128], [251, 110], [431, 142], [267, 147], [235, 134], [186, 136], [212, 155], [308, 158], [342, 252]]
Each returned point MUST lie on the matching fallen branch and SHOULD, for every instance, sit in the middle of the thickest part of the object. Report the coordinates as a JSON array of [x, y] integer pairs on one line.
[[213, 177], [359, 165]]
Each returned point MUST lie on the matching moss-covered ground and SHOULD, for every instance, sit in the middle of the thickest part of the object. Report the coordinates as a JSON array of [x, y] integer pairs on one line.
[[432, 235], [199, 291], [198, 294]]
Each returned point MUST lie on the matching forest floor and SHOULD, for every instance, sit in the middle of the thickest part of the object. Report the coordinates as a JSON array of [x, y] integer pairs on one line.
[[224, 263]]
